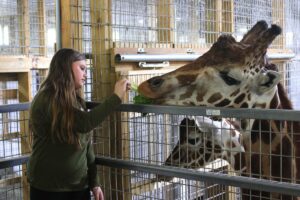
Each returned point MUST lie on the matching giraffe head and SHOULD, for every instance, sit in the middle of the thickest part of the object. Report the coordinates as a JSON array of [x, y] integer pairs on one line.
[[230, 74], [203, 140]]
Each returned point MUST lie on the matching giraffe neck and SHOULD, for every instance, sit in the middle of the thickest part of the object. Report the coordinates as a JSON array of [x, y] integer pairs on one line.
[[266, 140]]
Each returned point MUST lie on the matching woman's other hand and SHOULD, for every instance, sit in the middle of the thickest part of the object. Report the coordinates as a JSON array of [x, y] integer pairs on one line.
[[98, 194]]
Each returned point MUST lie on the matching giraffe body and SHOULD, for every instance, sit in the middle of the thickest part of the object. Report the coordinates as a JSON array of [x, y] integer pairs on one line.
[[237, 74]]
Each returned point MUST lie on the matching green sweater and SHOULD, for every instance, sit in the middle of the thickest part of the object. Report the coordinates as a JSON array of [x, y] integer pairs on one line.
[[63, 167]]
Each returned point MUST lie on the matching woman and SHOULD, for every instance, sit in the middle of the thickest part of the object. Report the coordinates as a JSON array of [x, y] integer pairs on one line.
[[62, 165]]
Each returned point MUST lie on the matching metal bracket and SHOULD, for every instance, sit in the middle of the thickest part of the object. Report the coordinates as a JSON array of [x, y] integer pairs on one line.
[[141, 50], [154, 65], [190, 51]]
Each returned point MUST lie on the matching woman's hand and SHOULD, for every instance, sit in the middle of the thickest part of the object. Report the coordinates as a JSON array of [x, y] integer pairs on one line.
[[98, 194], [121, 87]]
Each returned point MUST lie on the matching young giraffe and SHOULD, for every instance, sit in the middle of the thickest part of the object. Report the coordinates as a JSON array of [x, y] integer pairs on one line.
[[203, 140], [236, 74]]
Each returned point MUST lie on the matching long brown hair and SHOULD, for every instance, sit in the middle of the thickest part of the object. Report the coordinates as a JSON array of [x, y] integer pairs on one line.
[[60, 84]]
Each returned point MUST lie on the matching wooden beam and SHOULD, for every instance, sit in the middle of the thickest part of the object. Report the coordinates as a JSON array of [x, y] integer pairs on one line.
[[4, 183], [278, 13], [227, 16], [24, 27], [165, 22], [24, 81], [65, 28], [9, 94], [16, 64], [42, 28], [76, 25], [103, 79]]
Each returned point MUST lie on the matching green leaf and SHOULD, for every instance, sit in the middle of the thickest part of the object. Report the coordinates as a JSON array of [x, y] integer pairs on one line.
[[139, 99], [134, 87]]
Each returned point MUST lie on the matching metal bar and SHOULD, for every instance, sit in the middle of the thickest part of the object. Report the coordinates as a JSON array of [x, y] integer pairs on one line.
[[267, 114], [224, 179], [154, 57], [10, 162], [181, 57], [290, 115], [14, 107]]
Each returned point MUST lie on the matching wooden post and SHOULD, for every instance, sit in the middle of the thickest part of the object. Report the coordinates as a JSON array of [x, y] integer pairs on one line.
[[24, 27], [278, 18], [103, 79], [227, 16], [42, 28], [24, 81], [165, 23], [279, 43], [65, 24], [24, 85], [76, 25]]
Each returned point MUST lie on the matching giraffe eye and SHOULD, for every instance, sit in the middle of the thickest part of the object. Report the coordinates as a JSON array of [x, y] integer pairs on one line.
[[193, 141], [229, 80]]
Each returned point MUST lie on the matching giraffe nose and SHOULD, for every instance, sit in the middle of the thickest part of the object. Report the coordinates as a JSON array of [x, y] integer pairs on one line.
[[155, 82]]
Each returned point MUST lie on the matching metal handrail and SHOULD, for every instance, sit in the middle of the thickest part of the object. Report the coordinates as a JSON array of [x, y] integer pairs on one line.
[[268, 114], [224, 179]]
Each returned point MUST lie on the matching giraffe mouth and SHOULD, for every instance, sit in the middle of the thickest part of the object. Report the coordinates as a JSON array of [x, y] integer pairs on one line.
[[270, 81], [148, 91]]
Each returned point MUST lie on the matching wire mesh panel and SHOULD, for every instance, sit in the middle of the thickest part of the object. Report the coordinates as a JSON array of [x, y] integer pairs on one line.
[[8, 89], [206, 144], [293, 42], [167, 24], [27, 24], [14, 142], [11, 186], [11, 35], [97, 28]]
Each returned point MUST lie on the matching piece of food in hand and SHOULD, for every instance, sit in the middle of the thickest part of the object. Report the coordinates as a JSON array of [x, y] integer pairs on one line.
[[134, 87]]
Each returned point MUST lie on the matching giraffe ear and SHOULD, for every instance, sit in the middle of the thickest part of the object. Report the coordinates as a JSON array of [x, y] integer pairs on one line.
[[266, 81]]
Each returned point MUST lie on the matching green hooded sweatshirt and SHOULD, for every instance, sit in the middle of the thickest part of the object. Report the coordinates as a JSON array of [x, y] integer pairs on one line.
[[58, 167]]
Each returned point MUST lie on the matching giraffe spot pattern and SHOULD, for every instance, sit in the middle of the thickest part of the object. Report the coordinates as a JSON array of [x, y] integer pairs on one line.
[[244, 105], [215, 97], [189, 92], [186, 79], [235, 93], [240, 98], [223, 103]]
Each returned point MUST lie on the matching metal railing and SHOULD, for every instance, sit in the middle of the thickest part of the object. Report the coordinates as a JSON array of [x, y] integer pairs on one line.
[[220, 178]]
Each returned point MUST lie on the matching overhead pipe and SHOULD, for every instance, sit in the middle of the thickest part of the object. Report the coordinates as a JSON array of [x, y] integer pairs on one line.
[[183, 57]]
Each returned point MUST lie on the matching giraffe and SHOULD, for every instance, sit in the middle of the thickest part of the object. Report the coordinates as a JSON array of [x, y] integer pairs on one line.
[[237, 74], [203, 140]]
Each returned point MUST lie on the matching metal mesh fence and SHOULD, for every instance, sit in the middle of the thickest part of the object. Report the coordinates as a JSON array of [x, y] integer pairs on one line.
[[14, 142], [97, 28], [208, 146]]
